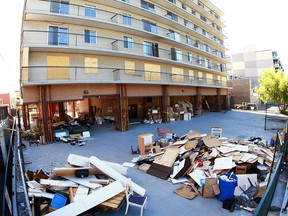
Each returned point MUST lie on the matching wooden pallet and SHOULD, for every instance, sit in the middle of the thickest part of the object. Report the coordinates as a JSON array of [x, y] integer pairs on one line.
[[115, 202]]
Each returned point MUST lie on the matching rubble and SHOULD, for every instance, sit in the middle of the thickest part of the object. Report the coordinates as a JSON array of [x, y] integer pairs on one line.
[[84, 184], [197, 161]]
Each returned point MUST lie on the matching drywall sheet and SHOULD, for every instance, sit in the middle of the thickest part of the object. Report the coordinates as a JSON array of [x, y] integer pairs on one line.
[[115, 175], [90, 201], [77, 160]]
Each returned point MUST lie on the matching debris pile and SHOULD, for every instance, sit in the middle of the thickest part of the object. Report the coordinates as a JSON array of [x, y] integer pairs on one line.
[[211, 166], [83, 185]]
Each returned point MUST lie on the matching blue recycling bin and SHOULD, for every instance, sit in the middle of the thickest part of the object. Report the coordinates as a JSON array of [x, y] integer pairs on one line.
[[227, 186]]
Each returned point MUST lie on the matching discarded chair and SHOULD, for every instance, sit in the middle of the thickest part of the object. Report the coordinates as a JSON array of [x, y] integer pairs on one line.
[[134, 200], [163, 132]]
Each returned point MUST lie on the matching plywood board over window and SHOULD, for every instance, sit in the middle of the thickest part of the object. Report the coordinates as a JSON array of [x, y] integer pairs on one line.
[[224, 81], [58, 67], [152, 72], [91, 65], [191, 74], [129, 67], [177, 74], [200, 76], [209, 78]]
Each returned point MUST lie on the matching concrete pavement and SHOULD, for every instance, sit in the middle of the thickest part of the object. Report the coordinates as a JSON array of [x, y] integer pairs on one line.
[[114, 146]]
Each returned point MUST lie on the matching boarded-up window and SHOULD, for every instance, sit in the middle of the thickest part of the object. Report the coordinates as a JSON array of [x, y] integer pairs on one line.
[[191, 74], [200, 76], [58, 67], [152, 72], [91, 65], [224, 81], [129, 67], [177, 74], [209, 78]]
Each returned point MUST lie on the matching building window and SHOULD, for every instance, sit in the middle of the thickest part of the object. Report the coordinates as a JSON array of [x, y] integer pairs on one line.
[[148, 26], [197, 44], [183, 6], [89, 36], [174, 35], [206, 47], [172, 1], [208, 63], [57, 36], [61, 7], [126, 19], [199, 60], [150, 49], [186, 22], [176, 54], [189, 57], [195, 27], [90, 11], [147, 5], [193, 11], [203, 18], [127, 1], [204, 32], [188, 39], [200, 4], [172, 16], [91, 65], [128, 42]]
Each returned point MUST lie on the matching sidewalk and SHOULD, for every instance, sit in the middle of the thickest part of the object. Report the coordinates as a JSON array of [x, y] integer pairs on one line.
[[114, 146]]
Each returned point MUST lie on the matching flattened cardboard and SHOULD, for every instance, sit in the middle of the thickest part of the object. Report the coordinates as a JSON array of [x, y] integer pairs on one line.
[[207, 188], [185, 191], [211, 141], [193, 134], [191, 144]]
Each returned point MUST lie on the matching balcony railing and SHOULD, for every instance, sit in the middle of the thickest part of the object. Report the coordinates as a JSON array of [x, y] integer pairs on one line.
[[77, 74], [129, 22], [116, 46]]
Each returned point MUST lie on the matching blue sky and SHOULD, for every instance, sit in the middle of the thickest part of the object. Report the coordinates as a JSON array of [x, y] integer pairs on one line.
[[258, 22]]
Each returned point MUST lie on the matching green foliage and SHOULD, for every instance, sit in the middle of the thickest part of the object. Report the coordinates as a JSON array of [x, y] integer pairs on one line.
[[273, 87]]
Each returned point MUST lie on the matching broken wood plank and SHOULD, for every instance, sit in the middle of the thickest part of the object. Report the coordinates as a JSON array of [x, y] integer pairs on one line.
[[115, 175], [94, 199]]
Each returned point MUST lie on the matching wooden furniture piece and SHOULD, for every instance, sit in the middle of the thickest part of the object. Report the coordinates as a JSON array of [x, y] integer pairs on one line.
[[145, 142]]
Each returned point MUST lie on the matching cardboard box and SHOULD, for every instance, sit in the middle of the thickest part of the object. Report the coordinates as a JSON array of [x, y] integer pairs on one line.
[[209, 187], [246, 168]]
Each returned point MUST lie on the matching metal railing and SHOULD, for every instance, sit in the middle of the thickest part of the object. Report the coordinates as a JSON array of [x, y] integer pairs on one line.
[[129, 22], [77, 74], [14, 174], [280, 152]]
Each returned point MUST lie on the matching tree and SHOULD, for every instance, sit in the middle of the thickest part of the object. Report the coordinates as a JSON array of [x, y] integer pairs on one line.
[[274, 87]]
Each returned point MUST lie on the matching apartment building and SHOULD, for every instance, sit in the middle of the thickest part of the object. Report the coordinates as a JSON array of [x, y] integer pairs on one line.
[[250, 63], [121, 58]]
